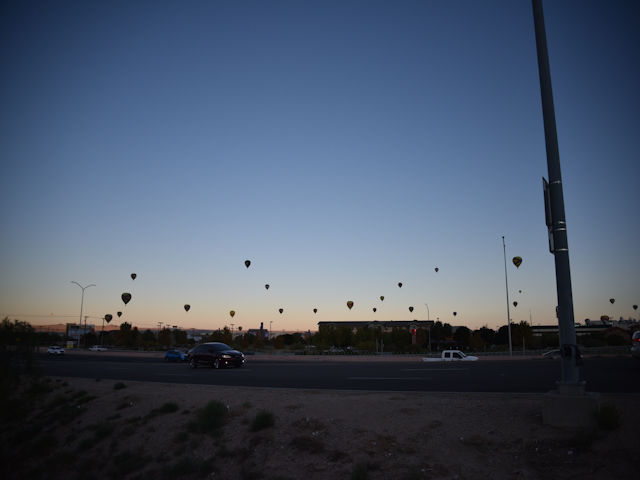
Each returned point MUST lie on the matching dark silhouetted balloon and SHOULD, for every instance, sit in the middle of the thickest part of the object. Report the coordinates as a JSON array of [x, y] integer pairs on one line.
[[267, 286], [519, 291], [375, 309], [126, 297], [612, 300], [455, 313], [187, 307], [635, 307], [437, 269], [350, 304], [315, 310], [119, 314], [247, 263], [382, 298], [517, 261], [232, 313], [515, 304], [399, 284], [108, 317], [133, 276], [281, 310], [411, 309]]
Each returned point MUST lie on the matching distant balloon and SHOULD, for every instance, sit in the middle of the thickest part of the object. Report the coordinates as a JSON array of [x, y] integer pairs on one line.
[[232, 313], [267, 286], [126, 297], [399, 284], [119, 314], [437, 269], [517, 261], [247, 263], [315, 310], [411, 309], [612, 300], [519, 291], [635, 307], [515, 304], [281, 310], [133, 276], [455, 313], [108, 317], [374, 309], [350, 304], [382, 298], [187, 307]]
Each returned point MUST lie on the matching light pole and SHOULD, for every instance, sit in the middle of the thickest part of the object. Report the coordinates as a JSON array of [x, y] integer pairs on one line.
[[428, 326], [81, 305], [270, 322], [506, 282]]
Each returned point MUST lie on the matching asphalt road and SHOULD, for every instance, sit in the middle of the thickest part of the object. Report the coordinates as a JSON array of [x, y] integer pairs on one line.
[[620, 374]]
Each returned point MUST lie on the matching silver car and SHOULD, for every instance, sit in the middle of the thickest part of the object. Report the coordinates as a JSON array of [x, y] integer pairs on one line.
[[55, 350]]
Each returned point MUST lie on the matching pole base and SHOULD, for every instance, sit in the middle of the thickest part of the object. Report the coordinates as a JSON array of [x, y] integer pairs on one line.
[[570, 406]]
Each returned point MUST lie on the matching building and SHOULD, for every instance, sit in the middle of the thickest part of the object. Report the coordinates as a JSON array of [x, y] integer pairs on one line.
[[385, 325]]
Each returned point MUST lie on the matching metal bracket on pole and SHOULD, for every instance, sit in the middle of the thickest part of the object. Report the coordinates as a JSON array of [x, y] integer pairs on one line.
[[548, 217]]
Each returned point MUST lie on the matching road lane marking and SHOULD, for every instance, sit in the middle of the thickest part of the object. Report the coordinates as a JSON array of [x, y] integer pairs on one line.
[[388, 378], [434, 369]]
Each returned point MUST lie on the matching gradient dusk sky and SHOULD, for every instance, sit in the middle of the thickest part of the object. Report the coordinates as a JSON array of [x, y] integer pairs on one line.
[[341, 146]]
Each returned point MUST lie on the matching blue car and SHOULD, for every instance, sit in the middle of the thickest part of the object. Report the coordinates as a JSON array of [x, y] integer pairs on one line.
[[175, 356]]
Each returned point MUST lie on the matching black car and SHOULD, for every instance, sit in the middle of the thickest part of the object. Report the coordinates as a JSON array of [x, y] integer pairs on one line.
[[215, 355]]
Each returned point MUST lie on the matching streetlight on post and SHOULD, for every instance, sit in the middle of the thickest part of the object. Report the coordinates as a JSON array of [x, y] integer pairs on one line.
[[81, 305], [506, 282]]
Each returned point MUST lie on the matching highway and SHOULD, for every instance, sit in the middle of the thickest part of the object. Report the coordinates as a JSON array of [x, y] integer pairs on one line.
[[617, 374]]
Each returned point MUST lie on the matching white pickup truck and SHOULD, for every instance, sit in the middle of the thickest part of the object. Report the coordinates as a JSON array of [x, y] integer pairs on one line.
[[451, 356]]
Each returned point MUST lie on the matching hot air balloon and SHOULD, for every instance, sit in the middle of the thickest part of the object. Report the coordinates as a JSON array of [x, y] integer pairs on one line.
[[232, 313], [187, 307], [612, 300], [281, 310], [399, 284], [437, 269], [350, 304], [315, 310], [126, 297], [411, 309], [635, 307], [119, 314], [455, 313], [247, 263], [267, 286], [108, 317], [519, 291], [382, 298], [517, 261], [515, 304], [374, 309], [133, 276]]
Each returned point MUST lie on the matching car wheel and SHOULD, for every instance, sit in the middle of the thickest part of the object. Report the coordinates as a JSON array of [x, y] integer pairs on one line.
[[192, 364], [216, 363]]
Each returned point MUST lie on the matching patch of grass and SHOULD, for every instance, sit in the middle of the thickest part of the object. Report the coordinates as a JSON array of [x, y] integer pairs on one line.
[[128, 431], [38, 388], [128, 462], [181, 437], [307, 444], [210, 419], [310, 424], [45, 444], [119, 386], [359, 472], [101, 430], [262, 420], [184, 466], [608, 417], [169, 407]]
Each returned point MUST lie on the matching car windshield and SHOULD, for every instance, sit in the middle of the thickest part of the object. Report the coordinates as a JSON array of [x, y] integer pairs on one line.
[[219, 347]]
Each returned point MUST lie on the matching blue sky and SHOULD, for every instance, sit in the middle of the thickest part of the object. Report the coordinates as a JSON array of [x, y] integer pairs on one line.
[[342, 147]]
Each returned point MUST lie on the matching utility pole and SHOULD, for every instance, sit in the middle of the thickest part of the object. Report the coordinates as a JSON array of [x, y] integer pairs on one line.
[[555, 214], [81, 305], [506, 282]]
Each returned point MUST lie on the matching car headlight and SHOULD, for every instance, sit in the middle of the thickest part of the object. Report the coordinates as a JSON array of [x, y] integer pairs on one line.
[[226, 356]]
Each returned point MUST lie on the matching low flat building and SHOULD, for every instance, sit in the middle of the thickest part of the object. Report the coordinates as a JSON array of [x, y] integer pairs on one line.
[[385, 325]]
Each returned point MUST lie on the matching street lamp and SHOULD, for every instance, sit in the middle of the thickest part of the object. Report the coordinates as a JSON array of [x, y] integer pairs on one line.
[[81, 305]]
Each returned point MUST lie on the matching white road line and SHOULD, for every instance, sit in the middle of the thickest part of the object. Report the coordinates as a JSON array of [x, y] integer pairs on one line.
[[434, 369], [388, 378]]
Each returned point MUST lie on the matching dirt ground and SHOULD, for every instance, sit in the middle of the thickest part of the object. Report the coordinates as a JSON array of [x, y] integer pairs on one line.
[[85, 428]]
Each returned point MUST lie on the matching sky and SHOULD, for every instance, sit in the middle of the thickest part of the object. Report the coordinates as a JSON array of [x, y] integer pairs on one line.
[[340, 146]]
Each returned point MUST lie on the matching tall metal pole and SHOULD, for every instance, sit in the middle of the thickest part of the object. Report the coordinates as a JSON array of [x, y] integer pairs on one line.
[[81, 305], [555, 202], [506, 282]]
